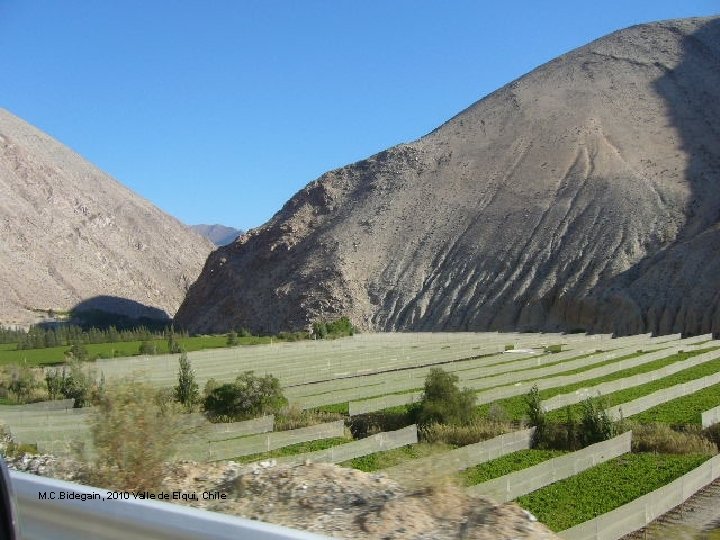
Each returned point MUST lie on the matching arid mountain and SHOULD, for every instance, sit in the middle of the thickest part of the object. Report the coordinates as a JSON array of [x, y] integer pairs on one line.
[[220, 235], [70, 234], [586, 194]]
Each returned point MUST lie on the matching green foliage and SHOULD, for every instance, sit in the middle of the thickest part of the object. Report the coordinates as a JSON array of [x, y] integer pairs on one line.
[[515, 461], [248, 397], [552, 348], [363, 425], [443, 402], [536, 416], [295, 449], [596, 425], [517, 408], [232, 339], [600, 489], [173, 345], [390, 458], [338, 328], [629, 394], [683, 410], [147, 347], [78, 351], [186, 391], [22, 383], [78, 384]]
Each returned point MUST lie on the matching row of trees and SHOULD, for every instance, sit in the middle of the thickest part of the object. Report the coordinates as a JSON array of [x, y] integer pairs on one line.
[[40, 338]]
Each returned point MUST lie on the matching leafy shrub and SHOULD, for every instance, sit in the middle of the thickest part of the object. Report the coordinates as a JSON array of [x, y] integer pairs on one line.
[[536, 416], [232, 339], [248, 397], [77, 384], [21, 383], [363, 425], [596, 424], [340, 327], [443, 402], [132, 438]]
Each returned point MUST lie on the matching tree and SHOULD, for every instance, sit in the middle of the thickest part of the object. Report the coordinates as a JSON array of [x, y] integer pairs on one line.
[[186, 391], [443, 401], [248, 397], [22, 383], [232, 339], [173, 346], [536, 415]]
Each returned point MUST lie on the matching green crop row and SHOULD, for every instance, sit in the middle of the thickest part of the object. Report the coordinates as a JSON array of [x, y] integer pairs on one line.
[[390, 458], [294, 449], [517, 408], [683, 410], [56, 355], [506, 464], [605, 487], [629, 394]]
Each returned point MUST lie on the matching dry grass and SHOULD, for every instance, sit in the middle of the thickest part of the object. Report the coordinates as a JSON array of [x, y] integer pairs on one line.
[[132, 437], [480, 430], [662, 439], [293, 417]]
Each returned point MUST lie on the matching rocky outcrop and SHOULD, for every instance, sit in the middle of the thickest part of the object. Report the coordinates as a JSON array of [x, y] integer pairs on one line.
[[585, 194], [71, 235]]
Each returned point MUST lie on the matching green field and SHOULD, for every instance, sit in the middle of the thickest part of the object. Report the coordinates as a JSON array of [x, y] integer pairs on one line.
[[517, 408], [683, 410], [390, 458], [629, 394], [605, 487], [56, 355], [501, 466]]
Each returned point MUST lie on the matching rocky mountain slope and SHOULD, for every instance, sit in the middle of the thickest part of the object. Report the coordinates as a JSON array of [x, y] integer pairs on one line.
[[586, 194], [70, 234], [220, 235]]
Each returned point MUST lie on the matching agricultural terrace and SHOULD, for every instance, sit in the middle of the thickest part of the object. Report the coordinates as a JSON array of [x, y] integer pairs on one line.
[[359, 391]]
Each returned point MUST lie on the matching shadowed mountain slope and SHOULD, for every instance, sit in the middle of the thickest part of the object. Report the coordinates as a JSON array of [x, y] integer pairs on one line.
[[586, 194], [69, 232]]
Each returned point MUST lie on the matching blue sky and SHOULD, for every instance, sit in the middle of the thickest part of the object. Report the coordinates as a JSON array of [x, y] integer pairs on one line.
[[218, 111]]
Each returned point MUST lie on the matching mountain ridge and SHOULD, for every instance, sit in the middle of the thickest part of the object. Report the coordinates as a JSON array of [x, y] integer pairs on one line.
[[70, 233], [583, 195]]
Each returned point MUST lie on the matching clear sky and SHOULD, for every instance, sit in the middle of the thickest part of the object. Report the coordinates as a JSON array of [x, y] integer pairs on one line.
[[219, 110]]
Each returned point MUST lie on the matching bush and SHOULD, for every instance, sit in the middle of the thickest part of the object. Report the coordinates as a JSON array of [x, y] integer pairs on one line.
[[132, 438], [363, 425], [443, 402], [596, 424], [462, 435], [232, 339], [248, 397], [22, 383], [79, 385]]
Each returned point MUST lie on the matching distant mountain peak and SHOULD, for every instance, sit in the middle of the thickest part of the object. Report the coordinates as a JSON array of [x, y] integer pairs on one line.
[[220, 235]]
